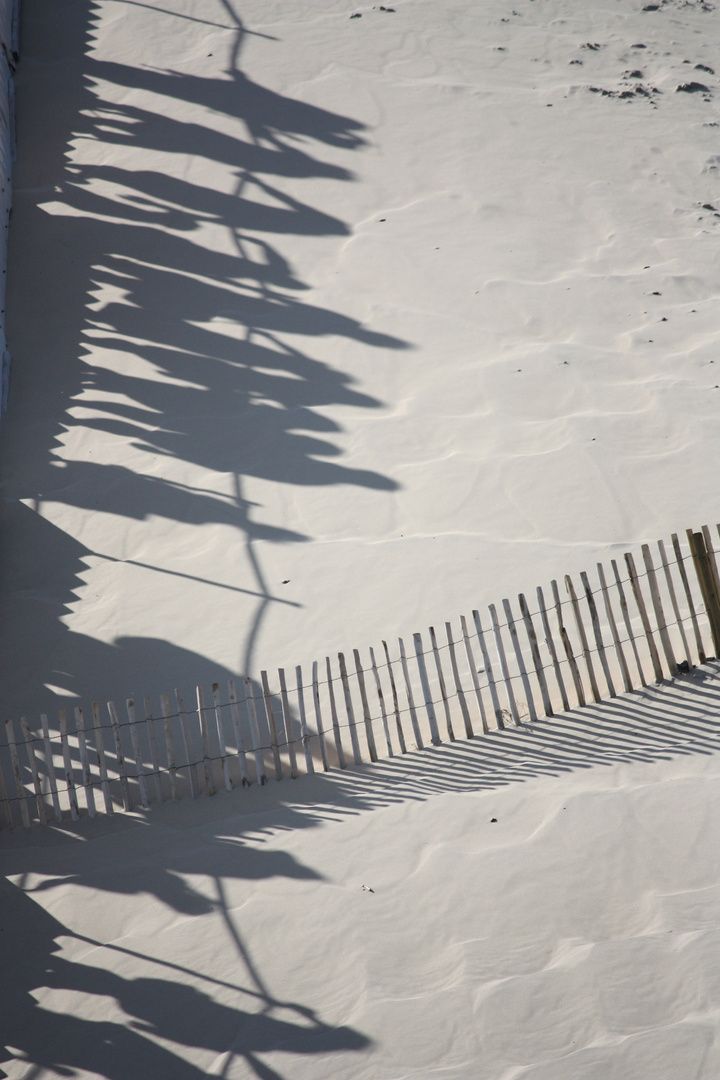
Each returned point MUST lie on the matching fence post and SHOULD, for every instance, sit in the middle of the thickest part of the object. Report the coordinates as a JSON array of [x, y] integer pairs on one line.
[[707, 584]]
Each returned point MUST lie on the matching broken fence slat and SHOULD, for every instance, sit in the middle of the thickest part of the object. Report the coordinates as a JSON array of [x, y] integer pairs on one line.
[[473, 669], [289, 724], [680, 562], [458, 684], [349, 709], [187, 746], [205, 741], [334, 715], [272, 726], [492, 687], [254, 730], [222, 747]]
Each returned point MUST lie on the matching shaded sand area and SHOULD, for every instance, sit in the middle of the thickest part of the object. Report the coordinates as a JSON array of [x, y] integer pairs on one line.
[[540, 903], [329, 328]]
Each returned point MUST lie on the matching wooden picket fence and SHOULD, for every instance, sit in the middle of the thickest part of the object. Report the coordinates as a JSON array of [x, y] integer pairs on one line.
[[632, 625]]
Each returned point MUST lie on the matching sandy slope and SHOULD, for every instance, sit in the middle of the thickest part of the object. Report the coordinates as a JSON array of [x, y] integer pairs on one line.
[[525, 914], [326, 327]]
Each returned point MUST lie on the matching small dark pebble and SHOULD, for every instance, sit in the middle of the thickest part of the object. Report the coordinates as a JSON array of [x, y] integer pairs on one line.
[[493, 819], [651, 7], [357, 15], [575, 61], [656, 294], [286, 581], [704, 67], [638, 45], [708, 206], [683, 666], [388, 9], [594, 45], [382, 219], [664, 319], [692, 88], [633, 74]]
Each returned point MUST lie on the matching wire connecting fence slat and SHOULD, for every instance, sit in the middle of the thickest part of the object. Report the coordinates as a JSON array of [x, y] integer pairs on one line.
[[647, 619]]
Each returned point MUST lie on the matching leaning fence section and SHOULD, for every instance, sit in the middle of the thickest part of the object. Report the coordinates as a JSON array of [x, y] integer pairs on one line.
[[622, 626]]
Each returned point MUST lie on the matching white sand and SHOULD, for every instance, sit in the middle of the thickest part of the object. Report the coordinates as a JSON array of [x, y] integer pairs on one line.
[[343, 340], [574, 937], [348, 340]]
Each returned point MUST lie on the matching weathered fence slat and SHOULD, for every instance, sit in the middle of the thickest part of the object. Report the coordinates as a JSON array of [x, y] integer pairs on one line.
[[441, 683], [100, 752], [50, 767], [627, 620], [304, 733], [473, 669], [381, 700], [222, 747], [572, 664], [272, 725], [154, 759], [19, 786], [689, 598], [492, 687], [205, 741], [396, 703], [505, 671], [169, 746], [119, 756], [334, 714], [318, 716], [369, 733], [642, 610], [707, 585], [551, 649], [84, 761], [275, 736], [535, 653], [354, 741], [409, 693], [597, 634], [458, 684], [32, 760], [272, 729], [239, 740], [288, 722], [139, 767], [583, 637], [187, 746], [425, 685], [519, 659], [627, 682], [673, 600], [254, 731], [67, 765], [658, 609], [6, 801]]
